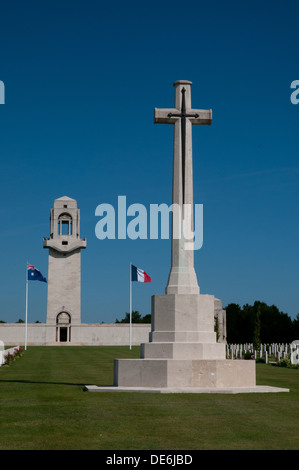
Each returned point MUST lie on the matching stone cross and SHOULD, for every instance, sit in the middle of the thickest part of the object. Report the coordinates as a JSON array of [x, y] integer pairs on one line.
[[182, 278]]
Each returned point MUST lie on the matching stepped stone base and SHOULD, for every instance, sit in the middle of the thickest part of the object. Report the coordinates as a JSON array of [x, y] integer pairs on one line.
[[183, 355], [183, 352], [176, 373], [227, 390]]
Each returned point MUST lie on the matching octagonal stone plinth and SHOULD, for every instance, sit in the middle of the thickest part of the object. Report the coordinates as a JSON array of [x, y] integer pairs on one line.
[[168, 373]]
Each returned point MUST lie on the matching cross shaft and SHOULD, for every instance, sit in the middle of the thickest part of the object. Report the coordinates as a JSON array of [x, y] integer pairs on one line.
[[182, 277]]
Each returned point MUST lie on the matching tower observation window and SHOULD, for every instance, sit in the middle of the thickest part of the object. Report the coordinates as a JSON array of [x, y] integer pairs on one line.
[[65, 224]]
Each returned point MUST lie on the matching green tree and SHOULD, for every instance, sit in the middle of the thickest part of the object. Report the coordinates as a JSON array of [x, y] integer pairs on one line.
[[295, 329], [257, 327], [259, 323], [234, 322], [136, 318], [216, 328], [147, 318]]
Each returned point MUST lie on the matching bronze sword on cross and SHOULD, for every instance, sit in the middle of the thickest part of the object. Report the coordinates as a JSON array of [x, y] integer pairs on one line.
[[182, 112], [183, 116]]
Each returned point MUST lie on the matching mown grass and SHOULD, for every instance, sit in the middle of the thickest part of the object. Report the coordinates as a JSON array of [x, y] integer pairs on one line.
[[44, 407]]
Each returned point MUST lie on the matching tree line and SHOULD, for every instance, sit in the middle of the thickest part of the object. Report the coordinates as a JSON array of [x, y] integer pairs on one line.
[[136, 318], [20, 320], [259, 323]]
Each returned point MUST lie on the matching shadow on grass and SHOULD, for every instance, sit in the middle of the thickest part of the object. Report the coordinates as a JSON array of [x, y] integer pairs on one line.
[[74, 384]]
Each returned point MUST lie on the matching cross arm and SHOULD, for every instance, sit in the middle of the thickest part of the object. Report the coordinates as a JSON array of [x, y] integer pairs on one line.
[[161, 116], [204, 116], [169, 116]]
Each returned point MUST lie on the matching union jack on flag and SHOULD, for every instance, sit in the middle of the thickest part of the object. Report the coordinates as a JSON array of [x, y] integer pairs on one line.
[[34, 274]]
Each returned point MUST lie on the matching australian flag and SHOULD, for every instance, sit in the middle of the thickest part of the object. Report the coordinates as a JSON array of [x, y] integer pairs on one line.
[[33, 274]]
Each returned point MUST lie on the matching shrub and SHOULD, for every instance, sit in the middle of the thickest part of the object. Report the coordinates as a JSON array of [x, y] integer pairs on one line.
[[18, 352], [285, 362], [261, 359], [248, 355], [10, 357]]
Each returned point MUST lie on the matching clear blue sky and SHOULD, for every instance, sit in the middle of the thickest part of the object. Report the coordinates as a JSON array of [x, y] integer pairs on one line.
[[82, 80]]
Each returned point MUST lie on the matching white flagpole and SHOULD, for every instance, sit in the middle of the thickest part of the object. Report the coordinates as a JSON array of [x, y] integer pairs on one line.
[[26, 308], [130, 305]]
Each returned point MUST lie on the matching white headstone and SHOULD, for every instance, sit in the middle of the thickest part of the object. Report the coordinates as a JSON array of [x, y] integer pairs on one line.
[[294, 356]]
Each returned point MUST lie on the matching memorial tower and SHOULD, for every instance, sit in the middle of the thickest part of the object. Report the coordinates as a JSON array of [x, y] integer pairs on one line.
[[64, 269]]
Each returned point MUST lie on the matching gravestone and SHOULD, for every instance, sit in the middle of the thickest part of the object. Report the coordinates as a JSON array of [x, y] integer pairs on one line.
[[294, 352]]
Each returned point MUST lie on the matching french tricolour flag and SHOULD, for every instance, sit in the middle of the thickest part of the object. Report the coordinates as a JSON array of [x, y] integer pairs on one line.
[[139, 275]]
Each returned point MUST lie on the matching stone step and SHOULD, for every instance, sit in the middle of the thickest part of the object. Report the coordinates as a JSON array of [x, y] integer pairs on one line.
[[183, 373], [183, 350], [183, 336]]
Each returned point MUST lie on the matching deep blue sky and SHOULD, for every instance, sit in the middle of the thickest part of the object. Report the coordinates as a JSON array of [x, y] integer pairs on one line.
[[82, 80]]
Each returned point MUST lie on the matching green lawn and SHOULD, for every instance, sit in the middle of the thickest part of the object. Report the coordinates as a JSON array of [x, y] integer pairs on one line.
[[43, 406]]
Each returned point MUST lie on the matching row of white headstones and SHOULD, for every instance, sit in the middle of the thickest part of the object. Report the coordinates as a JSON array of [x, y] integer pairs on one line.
[[278, 350], [233, 351]]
